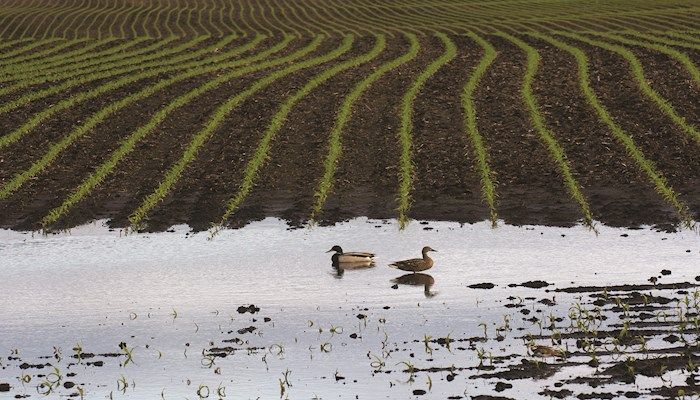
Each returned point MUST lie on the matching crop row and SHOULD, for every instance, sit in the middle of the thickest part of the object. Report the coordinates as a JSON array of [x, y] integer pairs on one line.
[[223, 61], [165, 18]]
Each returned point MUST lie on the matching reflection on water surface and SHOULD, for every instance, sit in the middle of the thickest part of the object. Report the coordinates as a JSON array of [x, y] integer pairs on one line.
[[181, 305]]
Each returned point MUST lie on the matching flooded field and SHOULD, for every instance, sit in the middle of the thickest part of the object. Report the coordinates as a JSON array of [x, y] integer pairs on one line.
[[260, 312]]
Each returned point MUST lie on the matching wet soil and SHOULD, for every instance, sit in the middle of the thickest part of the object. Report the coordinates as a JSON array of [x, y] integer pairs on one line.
[[669, 148], [529, 186], [124, 190], [618, 192]]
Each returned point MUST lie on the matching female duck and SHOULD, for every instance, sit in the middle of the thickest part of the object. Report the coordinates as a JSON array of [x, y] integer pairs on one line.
[[340, 257], [415, 264]]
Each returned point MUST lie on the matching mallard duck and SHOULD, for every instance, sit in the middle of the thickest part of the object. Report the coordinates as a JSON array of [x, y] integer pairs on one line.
[[415, 264], [340, 257]]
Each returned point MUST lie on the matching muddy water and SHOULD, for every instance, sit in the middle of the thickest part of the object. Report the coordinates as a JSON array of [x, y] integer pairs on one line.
[[174, 300]]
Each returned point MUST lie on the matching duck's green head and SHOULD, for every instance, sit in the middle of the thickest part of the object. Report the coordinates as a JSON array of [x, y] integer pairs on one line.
[[336, 249]]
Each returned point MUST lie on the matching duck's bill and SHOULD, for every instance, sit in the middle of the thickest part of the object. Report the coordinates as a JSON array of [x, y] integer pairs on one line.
[[329, 251]]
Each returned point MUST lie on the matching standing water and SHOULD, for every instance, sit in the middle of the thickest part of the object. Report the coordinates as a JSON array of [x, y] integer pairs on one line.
[[260, 312]]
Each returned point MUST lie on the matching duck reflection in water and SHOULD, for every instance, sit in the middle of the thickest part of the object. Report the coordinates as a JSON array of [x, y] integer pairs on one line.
[[340, 268], [418, 279]]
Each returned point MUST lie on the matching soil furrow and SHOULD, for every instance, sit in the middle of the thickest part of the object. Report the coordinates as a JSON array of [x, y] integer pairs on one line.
[[673, 152], [367, 179], [285, 183], [529, 187], [447, 182], [144, 168], [619, 193]]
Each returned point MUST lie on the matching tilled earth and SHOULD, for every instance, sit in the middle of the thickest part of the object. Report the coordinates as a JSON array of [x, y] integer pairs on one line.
[[529, 186]]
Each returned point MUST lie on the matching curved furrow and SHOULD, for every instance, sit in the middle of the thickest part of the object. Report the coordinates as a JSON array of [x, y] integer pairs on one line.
[[247, 28], [52, 30], [79, 97], [488, 188], [12, 43], [638, 72], [189, 20], [679, 35], [150, 21], [325, 184], [232, 17], [8, 16], [546, 135], [35, 14], [9, 56], [673, 53], [159, 21], [302, 25], [55, 149], [406, 167], [108, 15], [258, 13], [278, 119], [214, 121], [332, 25], [367, 21], [386, 16], [76, 20], [25, 15], [41, 56], [217, 25], [38, 22], [238, 68], [255, 20], [663, 40], [644, 164], [339, 20], [98, 12], [117, 27], [169, 19], [279, 25], [73, 61], [75, 78]]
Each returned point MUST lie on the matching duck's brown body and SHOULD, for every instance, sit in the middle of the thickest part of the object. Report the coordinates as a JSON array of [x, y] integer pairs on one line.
[[415, 264]]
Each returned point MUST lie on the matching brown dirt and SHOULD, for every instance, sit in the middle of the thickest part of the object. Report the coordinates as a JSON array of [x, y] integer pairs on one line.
[[615, 189], [447, 187], [673, 152], [140, 175], [529, 188]]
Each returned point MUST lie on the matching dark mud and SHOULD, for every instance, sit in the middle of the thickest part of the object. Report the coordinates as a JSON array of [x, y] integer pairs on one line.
[[529, 186]]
